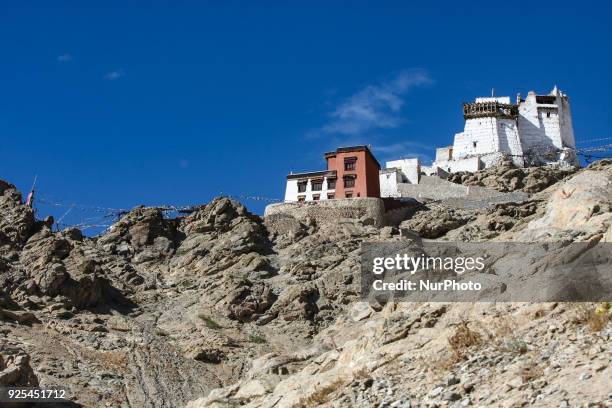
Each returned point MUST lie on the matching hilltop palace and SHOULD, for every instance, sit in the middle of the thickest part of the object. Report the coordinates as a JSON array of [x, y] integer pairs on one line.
[[534, 131]]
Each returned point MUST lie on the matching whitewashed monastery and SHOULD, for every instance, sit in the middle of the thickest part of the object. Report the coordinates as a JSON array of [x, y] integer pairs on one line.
[[533, 131]]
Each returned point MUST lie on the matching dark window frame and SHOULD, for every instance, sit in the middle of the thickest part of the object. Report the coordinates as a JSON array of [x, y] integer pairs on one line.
[[350, 163], [349, 182]]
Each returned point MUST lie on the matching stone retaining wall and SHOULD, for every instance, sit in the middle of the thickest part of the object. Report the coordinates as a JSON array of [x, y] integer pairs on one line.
[[435, 188], [371, 210]]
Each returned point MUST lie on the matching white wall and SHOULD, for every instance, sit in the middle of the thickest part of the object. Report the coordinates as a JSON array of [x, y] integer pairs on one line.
[[410, 168], [509, 141], [389, 179], [471, 164], [291, 190], [539, 125], [482, 131]]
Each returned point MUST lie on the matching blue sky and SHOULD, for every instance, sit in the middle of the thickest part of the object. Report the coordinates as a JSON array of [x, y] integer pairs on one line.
[[129, 103]]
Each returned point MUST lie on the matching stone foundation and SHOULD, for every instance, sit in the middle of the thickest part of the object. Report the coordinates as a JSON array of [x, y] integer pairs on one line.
[[370, 210]]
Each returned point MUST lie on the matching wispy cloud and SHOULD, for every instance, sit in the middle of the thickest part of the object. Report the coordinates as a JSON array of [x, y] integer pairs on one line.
[[373, 107], [114, 75], [64, 58]]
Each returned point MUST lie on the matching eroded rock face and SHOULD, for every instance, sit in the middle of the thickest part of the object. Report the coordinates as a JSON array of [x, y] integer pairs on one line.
[[437, 221], [505, 177], [16, 220], [15, 369], [222, 308], [142, 235]]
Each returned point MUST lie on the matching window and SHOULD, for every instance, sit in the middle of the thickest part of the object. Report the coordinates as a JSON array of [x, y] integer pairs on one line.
[[349, 163], [331, 184], [349, 195], [548, 114], [317, 185], [301, 198], [301, 186], [331, 196], [349, 182], [316, 197], [474, 144]]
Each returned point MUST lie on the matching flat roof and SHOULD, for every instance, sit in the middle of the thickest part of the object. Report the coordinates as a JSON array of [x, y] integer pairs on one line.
[[356, 148], [312, 174]]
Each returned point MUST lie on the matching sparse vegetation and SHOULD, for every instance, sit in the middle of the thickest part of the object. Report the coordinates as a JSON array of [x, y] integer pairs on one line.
[[320, 396], [460, 342], [596, 319], [257, 339], [210, 323], [463, 339], [504, 337]]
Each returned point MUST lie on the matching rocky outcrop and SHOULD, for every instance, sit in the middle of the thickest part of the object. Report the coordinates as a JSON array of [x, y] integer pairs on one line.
[[142, 235], [436, 221], [505, 176], [16, 220], [15, 369], [222, 308]]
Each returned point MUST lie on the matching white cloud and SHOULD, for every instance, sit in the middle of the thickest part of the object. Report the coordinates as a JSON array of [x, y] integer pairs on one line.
[[114, 75], [375, 106], [64, 58]]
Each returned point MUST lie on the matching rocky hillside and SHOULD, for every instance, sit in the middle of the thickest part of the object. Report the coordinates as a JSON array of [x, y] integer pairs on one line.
[[223, 309]]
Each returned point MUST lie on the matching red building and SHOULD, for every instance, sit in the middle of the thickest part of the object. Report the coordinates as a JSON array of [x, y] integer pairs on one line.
[[356, 172], [352, 172]]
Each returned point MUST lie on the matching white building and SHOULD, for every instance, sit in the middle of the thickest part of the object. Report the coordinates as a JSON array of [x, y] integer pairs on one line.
[[535, 131], [397, 172], [313, 186]]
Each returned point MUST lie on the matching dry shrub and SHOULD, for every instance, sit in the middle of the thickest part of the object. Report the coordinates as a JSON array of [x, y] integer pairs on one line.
[[463, 339], [320, 396], [594, 318], [460, 342], [502, 334]]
